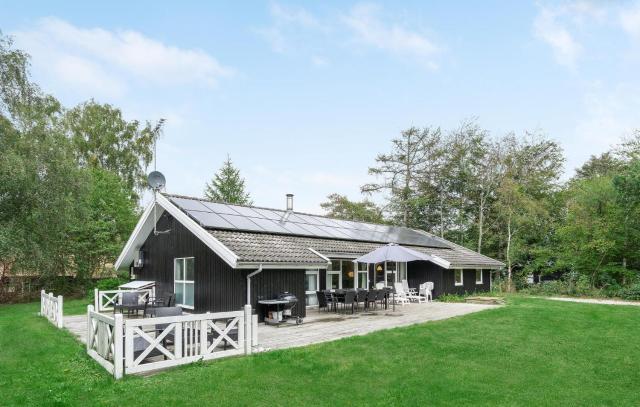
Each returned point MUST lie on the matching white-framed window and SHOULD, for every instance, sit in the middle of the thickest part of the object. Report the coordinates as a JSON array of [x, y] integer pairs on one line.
[[402, 271], [390, 272], [479, 276], [363, 275], [334, 275], [183, 277], [311, 285], [458, 277]]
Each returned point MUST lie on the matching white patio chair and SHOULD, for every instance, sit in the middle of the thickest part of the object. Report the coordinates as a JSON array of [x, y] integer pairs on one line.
[[426, 291], [422, 298], [411, 291], [401, 296]]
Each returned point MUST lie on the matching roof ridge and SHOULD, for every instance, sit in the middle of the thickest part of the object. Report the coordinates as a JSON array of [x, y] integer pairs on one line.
[[283, 210]]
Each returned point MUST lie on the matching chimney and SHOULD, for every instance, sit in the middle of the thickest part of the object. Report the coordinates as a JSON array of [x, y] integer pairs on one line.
[[290, 202]]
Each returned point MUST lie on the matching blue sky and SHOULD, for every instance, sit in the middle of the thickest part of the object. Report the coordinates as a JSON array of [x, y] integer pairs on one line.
[[304, 95]]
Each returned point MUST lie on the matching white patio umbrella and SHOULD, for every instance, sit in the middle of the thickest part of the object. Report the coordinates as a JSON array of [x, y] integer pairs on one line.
[[392, 252]]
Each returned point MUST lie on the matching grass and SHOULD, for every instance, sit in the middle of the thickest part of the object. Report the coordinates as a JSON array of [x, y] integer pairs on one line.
[[530, 352]]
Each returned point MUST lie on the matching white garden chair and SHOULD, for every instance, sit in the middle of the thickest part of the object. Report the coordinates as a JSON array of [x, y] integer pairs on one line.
[[426, 291], [401, 296], [410, 291]]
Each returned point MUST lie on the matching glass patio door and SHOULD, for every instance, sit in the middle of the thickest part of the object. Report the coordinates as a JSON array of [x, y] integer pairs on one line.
[[311, 286]]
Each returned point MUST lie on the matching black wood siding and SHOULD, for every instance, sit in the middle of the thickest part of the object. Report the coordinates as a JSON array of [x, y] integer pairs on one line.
[[217, 286], [269, 283], [468, 281], [419, 272]]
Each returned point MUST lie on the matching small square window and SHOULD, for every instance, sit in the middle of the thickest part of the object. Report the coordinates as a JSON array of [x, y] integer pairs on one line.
[[479, 277], [458, 277]]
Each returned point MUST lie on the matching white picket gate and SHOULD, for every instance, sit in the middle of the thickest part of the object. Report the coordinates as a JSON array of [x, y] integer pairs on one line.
[[51, 308], [104, 300], [140, 345]]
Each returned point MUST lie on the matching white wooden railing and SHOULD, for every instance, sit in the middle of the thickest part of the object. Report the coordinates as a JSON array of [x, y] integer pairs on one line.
[[51, 308], [104, 300], [104, 340], [140, 345]]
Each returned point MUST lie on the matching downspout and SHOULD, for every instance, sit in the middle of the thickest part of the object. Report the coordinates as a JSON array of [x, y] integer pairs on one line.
[[258, 271]]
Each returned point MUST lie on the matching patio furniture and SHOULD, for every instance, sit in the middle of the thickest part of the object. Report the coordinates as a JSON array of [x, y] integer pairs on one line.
[[130, 302], [159, 328], [349, 299], [426, 291], [411, 291], [371, 299], [383, 298], [157, 302], [329, 298], [380, 285], [401, 297], [361, 297], [322, 301]]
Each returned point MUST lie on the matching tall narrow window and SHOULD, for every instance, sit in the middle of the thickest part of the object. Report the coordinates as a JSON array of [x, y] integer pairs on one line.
[[478, 276], [363, 275], [183, 277], [391, 273], [458, 277], [334, 275]]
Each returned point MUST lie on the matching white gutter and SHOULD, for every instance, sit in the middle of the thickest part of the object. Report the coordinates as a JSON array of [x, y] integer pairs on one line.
[[325, 258], [258, 271]]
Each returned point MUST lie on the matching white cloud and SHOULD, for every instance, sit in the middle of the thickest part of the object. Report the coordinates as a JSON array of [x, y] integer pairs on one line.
[[319, 61], [630, 21], [547, 27], [297, 16], [284, 21], [109, 61], [369, 29]]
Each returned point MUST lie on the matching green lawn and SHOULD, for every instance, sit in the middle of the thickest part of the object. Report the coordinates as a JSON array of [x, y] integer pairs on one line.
[[530, 352]]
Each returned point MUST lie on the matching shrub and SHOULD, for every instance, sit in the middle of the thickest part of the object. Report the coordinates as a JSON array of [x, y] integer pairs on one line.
[[107, 284], [451, 298], [630, 293]]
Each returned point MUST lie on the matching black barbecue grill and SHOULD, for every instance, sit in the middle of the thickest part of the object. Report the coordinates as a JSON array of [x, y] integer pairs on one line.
[[281, 309]]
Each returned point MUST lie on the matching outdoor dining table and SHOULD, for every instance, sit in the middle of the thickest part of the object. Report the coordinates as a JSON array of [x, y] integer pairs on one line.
[[340, 297]]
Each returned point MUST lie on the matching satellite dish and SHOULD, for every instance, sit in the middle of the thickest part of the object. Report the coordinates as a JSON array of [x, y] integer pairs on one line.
[[156, 180]]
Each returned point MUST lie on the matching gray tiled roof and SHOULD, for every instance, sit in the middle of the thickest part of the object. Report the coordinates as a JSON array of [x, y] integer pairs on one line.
[[273, 248]]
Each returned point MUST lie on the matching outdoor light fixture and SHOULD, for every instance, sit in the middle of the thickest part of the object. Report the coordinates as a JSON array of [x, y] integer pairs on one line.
[[290, 202], [350, 274], [379, 268]]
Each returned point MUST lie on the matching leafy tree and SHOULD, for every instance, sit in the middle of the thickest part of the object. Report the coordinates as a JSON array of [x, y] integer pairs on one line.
[[228, 186], [590, 238], [401, 170], [602, 165], [103, 139], [339, 206], [110, 217]]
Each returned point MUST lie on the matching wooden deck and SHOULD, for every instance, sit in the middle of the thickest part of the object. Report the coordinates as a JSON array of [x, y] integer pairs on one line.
[[322, 326]]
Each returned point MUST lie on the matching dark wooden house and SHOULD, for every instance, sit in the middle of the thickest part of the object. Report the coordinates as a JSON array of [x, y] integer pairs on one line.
[[216, 257]]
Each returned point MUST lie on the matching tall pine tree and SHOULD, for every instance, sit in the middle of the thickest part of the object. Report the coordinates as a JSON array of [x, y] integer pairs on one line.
[[228, 186]]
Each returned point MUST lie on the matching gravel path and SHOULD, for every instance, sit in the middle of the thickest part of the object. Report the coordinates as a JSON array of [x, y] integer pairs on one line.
[[596, 301]]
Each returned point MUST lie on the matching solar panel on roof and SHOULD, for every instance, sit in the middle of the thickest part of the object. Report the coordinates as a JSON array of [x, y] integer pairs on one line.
[[269, 225], [243, 210], [242, 222], [219, 208], [190, 204], [268, 214], [221, 216], [210, 220]]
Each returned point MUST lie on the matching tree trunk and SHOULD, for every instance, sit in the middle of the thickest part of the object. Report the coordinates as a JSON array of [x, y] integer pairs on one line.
[[480, 223], [509, 271]]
